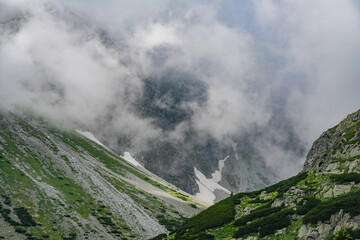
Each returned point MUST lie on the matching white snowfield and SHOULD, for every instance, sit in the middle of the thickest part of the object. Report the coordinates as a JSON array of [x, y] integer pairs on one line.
[[208, 186], [127, 156], [216, 176], [91, 137]]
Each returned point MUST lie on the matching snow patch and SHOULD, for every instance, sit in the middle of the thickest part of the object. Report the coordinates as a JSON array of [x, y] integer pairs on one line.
[[208, 186], [127, 156], [91, 137], [216, 176]]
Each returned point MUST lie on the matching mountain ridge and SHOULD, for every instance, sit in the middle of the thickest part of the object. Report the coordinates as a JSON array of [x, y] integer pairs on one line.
[[321, 202]]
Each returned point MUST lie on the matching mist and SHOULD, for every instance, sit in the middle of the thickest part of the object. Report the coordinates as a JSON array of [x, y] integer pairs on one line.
[[287, 68]]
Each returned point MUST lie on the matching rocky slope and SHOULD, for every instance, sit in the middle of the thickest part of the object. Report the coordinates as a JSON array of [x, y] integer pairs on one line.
[[321, 202], [57, 184]]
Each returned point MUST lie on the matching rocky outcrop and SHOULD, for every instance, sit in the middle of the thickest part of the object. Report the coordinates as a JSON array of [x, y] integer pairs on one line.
[[338, 143], [337, 222]]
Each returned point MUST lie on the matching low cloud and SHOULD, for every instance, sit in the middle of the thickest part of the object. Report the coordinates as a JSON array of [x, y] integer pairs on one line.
[[83, 63]]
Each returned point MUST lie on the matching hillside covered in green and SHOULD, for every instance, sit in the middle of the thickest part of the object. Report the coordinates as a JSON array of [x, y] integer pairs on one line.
[[58, 184], [321, 202]]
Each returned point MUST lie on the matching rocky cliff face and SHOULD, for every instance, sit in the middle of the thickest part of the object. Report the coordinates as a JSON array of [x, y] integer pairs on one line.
[[319, 203], [339, 142]]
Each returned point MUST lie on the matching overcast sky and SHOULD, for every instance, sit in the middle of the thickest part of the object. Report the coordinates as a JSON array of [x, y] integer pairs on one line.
[[256, 57]]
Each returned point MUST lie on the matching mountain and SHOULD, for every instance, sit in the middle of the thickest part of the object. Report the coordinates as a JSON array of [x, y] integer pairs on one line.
[[155, 114], [321, 202], [190, 161], [64, 184]]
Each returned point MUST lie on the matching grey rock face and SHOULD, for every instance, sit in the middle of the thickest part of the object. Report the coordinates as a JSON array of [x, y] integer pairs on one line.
[[339, 142], [337, 222]]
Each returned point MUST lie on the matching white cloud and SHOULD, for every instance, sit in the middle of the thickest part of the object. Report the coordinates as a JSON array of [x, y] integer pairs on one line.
[[297, 58]]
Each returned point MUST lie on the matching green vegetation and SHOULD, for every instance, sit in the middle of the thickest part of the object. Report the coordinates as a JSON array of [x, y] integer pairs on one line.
[[215, 216], [199, 236], [266, 225], [350, 134], [24, 216], [345, 159], [224, 232], [348, 202], [345, 178], [308, 203], [159, 237], [343, 235], [264, 218], [292, 231], [170, 224], [46, 183], [333, 129], [343, 167], [356, 140], [113, 162], [5, 214], [355, 234], [257, 213], [282, 186], [259, 200], [264, 221]]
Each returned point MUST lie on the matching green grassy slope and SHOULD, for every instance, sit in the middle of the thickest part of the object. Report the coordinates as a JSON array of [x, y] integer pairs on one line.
[[321, 202], [56, 184]]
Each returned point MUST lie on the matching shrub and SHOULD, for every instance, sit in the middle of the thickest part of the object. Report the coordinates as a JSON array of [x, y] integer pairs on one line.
[[282, 186], [24, 216], [348, 202], [342, 235], [106, 221], [169, 224], [215, 216], [199, 236], [258, 200], [5, 213], [333, 129], [20, 230], [310, 203], [193, 205], [257, 213], [354, 233], [7, 199], [159, 237], [345, 178], [266, 225]]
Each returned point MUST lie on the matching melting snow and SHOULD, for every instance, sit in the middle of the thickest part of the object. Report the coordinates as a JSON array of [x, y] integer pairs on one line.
[[216, 176], [127, 156], [91, 137], [208, 186]]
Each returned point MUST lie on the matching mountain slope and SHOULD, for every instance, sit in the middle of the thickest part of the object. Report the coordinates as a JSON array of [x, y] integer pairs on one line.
[[319, 203], [168, 116], [61, 185]]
